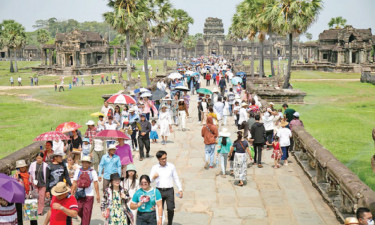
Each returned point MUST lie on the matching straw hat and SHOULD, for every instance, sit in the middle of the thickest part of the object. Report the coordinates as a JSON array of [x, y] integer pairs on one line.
[[20, 163], [86, 158], [60, 189], [130, 167], [243, 104], [90, 122], [284, 123], [351, 220], [224, 133], [111, 146]]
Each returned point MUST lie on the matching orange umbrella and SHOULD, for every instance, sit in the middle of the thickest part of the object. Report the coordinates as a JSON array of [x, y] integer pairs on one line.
[[67, 127]]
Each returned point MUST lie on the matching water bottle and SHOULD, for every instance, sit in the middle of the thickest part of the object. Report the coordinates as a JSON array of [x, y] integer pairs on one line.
[[41, 148]]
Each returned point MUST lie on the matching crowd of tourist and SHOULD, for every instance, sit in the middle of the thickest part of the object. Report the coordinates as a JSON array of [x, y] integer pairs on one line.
[[71, 175]]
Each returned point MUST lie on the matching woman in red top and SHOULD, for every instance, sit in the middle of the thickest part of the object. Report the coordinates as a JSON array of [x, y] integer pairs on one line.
[[48, 152], [208, 78], [277, 153]]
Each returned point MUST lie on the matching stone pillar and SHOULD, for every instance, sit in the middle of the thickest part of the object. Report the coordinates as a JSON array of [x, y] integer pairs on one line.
[[350, 56], [122, 55], [361, 56], [49, 57], [115, 54], [83, 59], [42, 57], [109, 56]]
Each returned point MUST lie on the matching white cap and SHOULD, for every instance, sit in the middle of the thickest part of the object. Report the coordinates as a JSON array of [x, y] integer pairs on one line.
[[296, 114], [111, 146], [90, 122], [271, 103]]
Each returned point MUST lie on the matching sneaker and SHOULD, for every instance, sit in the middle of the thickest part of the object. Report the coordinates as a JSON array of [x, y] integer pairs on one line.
[[211, 167], [141, 159], [260, 166], [147, 155], [162, 142], [206, 166]]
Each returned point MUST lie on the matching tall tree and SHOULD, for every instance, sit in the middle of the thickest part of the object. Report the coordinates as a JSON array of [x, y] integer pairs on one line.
[[124, 18], [189, 43], [308, 36], [179, 27], [155, 24], [292, 17], [13, 36], [42, 38], [337, 22]]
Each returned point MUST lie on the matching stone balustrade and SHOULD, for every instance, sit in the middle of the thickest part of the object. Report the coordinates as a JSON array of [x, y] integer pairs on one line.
[[367, 76], [343, 191]]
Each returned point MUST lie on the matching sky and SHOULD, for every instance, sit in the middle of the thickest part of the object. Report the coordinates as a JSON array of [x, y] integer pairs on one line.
[[359, 13]]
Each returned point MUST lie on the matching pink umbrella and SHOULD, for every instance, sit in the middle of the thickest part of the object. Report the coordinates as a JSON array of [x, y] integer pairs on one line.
[[67, 127], [111, 135], [121, 99], [52, 136]]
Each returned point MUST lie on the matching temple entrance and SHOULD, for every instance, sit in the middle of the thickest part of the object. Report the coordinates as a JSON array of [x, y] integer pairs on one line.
[[354, 54], [71, 60], [213, 51]]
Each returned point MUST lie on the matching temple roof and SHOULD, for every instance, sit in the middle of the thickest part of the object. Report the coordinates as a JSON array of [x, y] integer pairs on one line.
[[345, 33], [82, 36]]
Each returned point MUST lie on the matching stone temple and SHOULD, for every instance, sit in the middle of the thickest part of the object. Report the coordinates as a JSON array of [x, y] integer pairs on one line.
[[80, 52], [215, 42]]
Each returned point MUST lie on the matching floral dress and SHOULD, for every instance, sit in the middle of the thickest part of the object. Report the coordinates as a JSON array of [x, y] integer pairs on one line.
[[117, 214]]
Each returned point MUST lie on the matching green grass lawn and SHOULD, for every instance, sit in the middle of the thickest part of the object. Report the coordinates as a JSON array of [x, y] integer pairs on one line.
[[341, 116], [24, 71]]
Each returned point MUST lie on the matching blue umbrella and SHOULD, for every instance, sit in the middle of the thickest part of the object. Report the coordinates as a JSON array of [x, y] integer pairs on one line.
[[141, 90], [236, 80], [241, 74]]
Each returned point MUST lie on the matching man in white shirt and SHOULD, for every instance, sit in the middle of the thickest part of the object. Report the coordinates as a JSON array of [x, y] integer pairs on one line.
[[86, 203], [243, 114], [164, 174], [105, 110]]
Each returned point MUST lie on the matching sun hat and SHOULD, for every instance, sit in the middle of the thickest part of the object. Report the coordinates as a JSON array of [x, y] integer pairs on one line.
[[271, 103], [243, 104], [130, 167], [60, 189], [131, 110], [284, 123], [296, 114], [90, 122], [111, 146], [20, 163], [86, 158], [58, 153], [86, 139], [115, 176], [180, 100], [224, 133], [165, 106]]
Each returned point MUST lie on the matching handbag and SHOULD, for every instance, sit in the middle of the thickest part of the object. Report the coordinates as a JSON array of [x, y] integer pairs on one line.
[[80, 194]]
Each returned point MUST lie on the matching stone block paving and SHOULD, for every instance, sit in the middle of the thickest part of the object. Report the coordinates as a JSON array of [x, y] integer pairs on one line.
[[281, 196]]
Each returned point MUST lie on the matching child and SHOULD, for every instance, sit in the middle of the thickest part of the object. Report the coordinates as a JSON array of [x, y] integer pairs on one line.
[[86, 147], [153, 134], [276, 155], [70, 86], [55, 86]]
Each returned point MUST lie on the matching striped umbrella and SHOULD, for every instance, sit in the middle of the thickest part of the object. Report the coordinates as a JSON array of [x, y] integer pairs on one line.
[[52, 136], [121, 99], [67, 127]]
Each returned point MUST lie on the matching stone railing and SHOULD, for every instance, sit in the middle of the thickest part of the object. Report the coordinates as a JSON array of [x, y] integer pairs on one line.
[[366, 76], [28, 153], [340, 187]]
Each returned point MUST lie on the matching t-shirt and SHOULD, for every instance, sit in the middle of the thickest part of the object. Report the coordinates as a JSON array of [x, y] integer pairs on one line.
[[231, 98], [112, 126], [289, 114], [153, 194], [58, 217], [240, 148], [94, 177], [284, 134]]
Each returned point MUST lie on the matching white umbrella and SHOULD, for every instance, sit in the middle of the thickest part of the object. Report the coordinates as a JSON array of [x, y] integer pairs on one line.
[[182, 88], [175, 76], [146, 94], [189, 72]]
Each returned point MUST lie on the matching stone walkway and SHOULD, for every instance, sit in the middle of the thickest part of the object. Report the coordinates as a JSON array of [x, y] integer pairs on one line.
[[282, 196]]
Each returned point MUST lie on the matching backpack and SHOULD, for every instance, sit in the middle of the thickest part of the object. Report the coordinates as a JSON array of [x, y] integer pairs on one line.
[[84, 178]]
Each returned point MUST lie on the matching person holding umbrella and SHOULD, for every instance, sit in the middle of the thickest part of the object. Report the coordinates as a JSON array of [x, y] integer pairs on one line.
[[125, 154], [109, 164]]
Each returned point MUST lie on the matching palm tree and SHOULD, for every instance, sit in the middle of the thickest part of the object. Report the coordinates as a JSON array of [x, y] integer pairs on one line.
[[155, 24], [13, 36], [179, 27], [337, 22], [124, 18], [189, 43], [292, 17], [42, 37]]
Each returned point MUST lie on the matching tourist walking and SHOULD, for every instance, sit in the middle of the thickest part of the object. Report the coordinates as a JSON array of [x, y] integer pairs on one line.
[[56, 172], [295, 121], [242, 117], [38, 172], [154, 132], [268, 120], [109, 164], [182, 114], [164, 174], [224, 145], [240, 158], [148, 201], [222, 85], [113, 206], [48, 152], [91, 130], [98, 149], [64, 206], [85, 181], [284, 134], [131, 184], [11, 81], [209, 133], [71, 166], [288, 112], [258, 136], [124, 152], [231, 98], [19, 79], [277, 153], [61, 84], [165, 124], [144, 137], [226, 111]]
